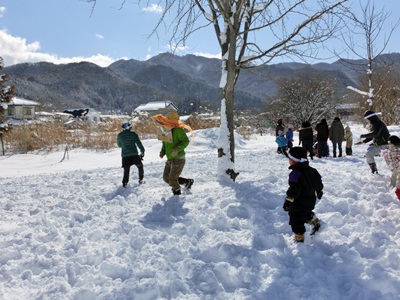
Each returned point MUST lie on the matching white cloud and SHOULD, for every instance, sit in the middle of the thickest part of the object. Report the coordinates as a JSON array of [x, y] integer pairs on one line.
[[186, 50], [99, 36], [153, 8], [15, 50], [208, 55], [175, 48], [2, 10]]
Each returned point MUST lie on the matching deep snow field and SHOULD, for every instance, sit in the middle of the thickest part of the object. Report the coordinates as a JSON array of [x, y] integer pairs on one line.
[[68, 230]]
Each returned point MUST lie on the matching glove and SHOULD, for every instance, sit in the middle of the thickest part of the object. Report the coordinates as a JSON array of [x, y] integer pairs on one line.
[[141, 156], [288, 205], [319, 194], [398, 193], [174, 152]]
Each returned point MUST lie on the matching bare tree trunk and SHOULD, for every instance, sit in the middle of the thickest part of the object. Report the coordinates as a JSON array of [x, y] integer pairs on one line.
[[2, 144], [226, 149]]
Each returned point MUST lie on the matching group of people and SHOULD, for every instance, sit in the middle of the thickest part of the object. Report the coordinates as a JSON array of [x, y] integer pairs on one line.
[[336, 133], [305, 183], [316, 145], [174, 141]]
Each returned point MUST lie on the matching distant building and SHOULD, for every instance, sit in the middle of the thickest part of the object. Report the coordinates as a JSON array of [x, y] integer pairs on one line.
[[21, 109], [347, 109], [155, 108]]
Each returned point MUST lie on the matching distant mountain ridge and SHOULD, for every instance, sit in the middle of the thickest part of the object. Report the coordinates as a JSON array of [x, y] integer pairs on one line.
[[126, 84]]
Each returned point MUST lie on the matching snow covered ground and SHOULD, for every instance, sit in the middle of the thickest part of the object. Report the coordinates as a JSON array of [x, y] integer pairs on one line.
[[68, 230]]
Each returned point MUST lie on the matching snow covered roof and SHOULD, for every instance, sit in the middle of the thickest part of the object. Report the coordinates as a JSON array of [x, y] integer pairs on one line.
[[348, 106], [156, 105], [20, 101]]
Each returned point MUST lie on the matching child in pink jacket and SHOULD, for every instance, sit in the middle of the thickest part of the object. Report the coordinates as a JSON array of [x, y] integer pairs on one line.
[[392, 158]]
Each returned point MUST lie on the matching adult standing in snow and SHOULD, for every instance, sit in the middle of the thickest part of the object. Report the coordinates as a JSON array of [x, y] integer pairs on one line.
[[379, 136], [174, 142], [336, 135], [348, 137], [280, 126], [322, 138], [129, 142], [306, 137], [392, 158], [305, 186]]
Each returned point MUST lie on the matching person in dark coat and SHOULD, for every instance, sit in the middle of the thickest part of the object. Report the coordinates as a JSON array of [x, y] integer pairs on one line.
[[336, 135], [379, 136], [306, 137], [322, 138], [305, 186], [129, 142]]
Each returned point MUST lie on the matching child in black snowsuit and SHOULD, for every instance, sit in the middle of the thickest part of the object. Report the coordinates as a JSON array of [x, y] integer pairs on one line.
[[305, 186]]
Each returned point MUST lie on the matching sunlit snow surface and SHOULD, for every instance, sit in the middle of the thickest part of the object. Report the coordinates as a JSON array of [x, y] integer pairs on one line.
[[68, 230]]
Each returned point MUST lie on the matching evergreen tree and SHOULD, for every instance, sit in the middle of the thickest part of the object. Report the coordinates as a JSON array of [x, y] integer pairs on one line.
[[6, 94]]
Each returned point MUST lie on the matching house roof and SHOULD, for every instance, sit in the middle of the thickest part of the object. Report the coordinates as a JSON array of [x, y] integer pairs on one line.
[[348, 106], [21, 102], [156, 105]]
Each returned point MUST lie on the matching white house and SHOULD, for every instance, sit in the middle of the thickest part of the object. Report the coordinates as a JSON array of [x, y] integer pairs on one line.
[[154, 108], [21, 109]]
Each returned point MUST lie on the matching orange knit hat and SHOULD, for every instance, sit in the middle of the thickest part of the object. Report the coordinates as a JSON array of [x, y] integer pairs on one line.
[[171, 121]]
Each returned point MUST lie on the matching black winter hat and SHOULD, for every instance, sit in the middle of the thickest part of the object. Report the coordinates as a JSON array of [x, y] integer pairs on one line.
[[394, 140], [298, 154], [369, 114], [126, 126]]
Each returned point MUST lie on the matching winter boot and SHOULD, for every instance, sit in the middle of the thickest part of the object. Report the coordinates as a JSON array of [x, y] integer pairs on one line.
[[186, 182], [189, 184], [373, 168], [177, 191], [315, 225], [299, 238]]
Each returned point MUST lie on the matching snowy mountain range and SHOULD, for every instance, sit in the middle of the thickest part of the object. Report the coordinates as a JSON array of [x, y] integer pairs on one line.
[[126, 84]]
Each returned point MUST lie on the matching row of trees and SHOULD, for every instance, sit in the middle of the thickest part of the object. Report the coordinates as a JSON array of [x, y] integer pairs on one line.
[[314, 95]]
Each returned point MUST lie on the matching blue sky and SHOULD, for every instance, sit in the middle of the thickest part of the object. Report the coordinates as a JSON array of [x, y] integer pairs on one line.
[[63, 31]]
